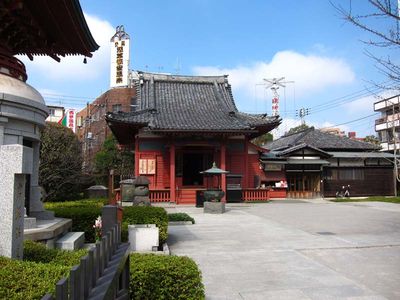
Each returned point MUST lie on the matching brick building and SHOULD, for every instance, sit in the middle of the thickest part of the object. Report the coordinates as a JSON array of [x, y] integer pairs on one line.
[[92, 128]]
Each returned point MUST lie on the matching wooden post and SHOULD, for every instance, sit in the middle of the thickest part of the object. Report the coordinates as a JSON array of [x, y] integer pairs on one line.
[[246, 164], [223, 167], [62, 289], [172, 173], [137, 156], [111, 187]]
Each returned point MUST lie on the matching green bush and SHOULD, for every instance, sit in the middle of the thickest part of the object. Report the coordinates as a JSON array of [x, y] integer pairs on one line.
[[145, 215], [180, 217], [83, 214], [77, 203], [28, 280], [37, 252], [164, 277]]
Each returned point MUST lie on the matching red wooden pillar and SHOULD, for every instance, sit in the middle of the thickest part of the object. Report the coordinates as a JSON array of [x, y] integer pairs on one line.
[[172, 173], [137, 156], [223, 167], [246, 164]]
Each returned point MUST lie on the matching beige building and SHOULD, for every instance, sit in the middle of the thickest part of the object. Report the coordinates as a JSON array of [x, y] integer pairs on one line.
[[56, 113]]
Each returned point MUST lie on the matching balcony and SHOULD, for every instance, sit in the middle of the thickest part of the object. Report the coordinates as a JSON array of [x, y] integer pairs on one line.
[[387, 122], [386, 103]]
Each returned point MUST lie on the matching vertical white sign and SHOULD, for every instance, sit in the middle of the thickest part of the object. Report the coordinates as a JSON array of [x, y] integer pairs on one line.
[[119, 62], [71, 119]]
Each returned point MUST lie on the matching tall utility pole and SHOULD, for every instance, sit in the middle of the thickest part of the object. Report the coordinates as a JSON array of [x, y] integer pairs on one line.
[[395, 170], [302, 112]]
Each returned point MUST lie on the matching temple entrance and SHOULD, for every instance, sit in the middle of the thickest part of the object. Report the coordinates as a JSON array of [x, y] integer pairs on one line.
[[192, 165], [303, 185]]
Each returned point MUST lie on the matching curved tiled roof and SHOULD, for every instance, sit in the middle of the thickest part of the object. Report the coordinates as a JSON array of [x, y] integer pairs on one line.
[[191, 103], [321, 140]]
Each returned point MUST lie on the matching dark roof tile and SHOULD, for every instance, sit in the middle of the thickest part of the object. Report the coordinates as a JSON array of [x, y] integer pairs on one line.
[[191, 103], [321, 140]]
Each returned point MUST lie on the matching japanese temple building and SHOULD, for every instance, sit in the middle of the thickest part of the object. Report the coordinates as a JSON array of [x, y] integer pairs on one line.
[[180, 125]]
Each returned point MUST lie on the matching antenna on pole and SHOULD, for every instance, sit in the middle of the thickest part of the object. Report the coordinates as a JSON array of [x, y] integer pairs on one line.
[[274, 85]]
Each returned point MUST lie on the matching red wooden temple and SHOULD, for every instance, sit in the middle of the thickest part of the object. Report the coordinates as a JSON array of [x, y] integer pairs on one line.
[[180, 125]]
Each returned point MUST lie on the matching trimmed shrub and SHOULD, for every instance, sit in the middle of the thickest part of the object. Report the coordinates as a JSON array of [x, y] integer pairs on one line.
[[164, 277], [28, 280], [83, 214], [180, 217], [145, 215], [78, 203], [37, 252]]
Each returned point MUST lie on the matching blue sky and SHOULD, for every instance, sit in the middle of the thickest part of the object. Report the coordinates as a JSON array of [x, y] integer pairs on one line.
[[304, 41]]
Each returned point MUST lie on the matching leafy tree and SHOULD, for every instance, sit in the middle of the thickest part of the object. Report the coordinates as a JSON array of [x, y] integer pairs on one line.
[[60, 163], [263, 139], [381, 19], [372, 139], [298, 128], [111, 156]]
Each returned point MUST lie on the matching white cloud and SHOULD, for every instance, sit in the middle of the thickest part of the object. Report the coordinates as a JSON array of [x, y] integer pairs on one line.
[[366, 104], [72, 68], [311, 73]]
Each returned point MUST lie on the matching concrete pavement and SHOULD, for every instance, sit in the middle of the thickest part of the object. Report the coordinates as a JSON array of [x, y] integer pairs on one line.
[[297, 250]]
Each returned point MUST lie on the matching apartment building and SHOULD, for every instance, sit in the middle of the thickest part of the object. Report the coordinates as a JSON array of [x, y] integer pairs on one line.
[[387, 126]]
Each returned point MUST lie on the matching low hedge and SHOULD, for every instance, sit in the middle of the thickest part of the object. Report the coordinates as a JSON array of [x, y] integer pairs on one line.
[[37, 252], [38, 273], [164, 277], [180, 217], [82, 212], [145, 215], [28, 280], [99, 202]]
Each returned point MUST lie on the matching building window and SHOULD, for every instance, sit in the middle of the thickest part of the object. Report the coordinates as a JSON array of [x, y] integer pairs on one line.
[[134, 104], [344, 174], [52, 112], [116, 108]]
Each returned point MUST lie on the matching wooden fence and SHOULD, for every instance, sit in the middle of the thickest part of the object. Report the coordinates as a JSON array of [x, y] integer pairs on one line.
[[102, 274], [159, 195], [255, 195]]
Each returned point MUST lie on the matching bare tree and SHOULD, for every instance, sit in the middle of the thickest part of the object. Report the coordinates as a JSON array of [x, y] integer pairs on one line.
[[382, 20]]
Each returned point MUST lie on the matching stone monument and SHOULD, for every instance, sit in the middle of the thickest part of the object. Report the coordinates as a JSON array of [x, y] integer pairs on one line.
[[22, 114]]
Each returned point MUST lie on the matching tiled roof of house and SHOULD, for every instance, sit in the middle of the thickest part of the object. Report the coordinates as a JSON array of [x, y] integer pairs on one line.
[[300, 147], [191, 103], [321, 140]]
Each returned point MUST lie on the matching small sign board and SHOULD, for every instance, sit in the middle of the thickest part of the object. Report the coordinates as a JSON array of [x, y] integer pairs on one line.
[[147, 166]]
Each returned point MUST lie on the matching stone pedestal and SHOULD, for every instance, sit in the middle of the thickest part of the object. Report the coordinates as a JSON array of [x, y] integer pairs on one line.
[[214, 207], [15, 163], [143, 237], [29, 223]]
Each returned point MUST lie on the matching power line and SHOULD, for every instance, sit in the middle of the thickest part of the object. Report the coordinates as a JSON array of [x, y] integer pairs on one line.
[[352, 121]]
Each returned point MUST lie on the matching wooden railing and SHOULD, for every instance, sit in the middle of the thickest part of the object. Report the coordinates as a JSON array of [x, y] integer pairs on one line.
[[102, 274], [255, 195], [159, 196]]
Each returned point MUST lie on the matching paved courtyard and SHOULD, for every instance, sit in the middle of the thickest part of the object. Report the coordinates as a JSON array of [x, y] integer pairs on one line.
[[295, 250]]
